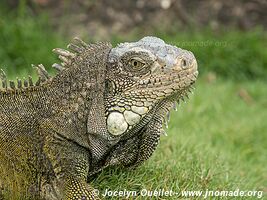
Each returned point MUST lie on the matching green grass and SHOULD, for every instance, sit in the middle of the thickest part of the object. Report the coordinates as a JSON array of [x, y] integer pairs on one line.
[[216, 141]]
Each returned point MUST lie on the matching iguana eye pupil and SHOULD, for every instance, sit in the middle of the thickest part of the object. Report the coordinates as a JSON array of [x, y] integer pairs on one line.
[[136, 64]]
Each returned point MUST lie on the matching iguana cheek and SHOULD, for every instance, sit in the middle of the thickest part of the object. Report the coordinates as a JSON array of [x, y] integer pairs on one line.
[[120, 121]]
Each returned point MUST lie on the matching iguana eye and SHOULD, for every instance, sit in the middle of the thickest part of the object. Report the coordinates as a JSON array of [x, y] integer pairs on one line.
[[136, 64]]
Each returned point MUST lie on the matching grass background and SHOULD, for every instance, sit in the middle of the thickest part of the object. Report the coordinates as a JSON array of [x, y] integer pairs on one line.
[[217, 141]]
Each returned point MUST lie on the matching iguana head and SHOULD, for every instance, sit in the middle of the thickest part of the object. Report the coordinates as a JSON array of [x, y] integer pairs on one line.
[[144, 80]]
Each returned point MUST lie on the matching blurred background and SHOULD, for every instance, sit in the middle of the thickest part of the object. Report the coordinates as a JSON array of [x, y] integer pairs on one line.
[[228, 37], [216, 141]]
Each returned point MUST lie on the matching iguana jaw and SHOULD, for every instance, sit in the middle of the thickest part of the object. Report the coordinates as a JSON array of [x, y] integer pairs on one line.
[[162, 107]]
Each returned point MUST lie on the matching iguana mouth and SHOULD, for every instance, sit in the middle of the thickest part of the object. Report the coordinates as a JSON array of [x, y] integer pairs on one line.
[[162, 108]]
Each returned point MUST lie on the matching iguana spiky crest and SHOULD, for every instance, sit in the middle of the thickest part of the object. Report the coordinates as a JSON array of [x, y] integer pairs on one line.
[[79, 50]]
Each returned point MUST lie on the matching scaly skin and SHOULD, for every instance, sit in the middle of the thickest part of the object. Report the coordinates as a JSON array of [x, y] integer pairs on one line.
[[105, 107]]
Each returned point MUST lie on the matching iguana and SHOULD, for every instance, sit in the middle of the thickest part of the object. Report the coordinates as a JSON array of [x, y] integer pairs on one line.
[[105, 107]]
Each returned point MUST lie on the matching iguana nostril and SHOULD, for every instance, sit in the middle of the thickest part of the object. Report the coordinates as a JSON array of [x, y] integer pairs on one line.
[[179, 64], [184, 63]]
